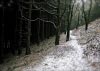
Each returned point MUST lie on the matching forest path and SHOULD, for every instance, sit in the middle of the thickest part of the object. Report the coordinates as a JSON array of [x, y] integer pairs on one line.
[[64, 57], [68, 56]]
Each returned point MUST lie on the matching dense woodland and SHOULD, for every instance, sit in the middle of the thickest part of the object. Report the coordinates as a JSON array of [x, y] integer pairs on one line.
[[27, 22]]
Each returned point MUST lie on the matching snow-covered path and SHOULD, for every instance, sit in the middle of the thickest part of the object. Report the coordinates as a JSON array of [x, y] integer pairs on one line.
[[65, 57], [74, 55]]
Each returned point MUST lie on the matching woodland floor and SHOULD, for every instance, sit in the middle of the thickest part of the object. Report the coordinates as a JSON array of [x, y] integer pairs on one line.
[[81, 53]]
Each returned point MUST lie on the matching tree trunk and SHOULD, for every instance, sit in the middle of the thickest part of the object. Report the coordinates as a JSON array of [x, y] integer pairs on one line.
[[86, 23], [57, 36], [48, 32], [29, 30], [20, 39], [78, 21], [58, 25], [68, 32], [43, 31], [38, 33], [2, 44], [86, 26]]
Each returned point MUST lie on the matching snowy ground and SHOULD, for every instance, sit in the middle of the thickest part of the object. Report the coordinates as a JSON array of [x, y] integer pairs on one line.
[[73, 55], [65, 57]]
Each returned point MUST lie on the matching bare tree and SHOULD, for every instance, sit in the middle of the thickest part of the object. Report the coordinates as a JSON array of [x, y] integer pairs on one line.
[[59, 19], [78, 17], [71, 4], [60, 8], [29, 29], [86, 13]]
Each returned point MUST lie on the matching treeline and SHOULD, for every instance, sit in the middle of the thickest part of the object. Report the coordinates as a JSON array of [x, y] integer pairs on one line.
[[23, 23]]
